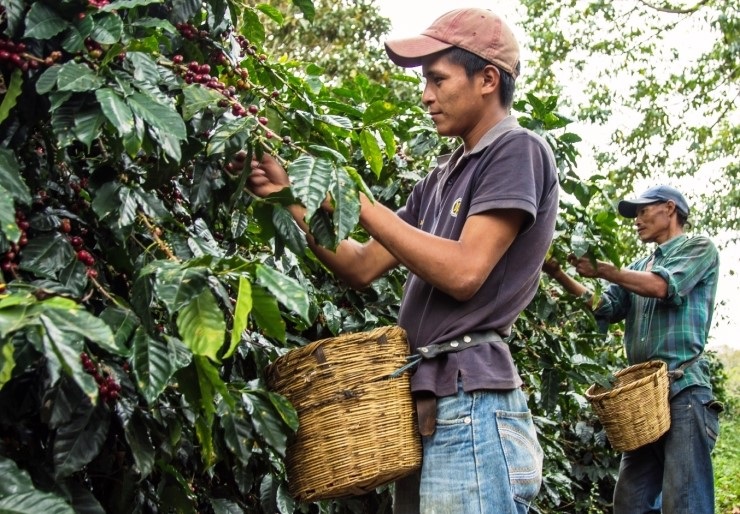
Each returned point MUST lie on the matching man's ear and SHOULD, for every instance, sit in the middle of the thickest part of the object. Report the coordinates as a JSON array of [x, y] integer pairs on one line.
[[671, 206], [491, 78]]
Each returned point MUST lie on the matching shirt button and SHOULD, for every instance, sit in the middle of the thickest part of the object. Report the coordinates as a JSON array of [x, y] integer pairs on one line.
[[467, 420]]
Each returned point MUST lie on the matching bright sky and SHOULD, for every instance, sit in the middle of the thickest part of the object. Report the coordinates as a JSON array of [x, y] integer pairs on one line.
[[410, 17]]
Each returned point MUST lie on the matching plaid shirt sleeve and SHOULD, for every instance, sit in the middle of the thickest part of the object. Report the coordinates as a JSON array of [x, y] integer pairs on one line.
[[683, 270]]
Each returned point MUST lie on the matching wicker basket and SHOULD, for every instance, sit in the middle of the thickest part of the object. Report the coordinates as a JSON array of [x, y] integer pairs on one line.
[[358, 427], [635, 411]]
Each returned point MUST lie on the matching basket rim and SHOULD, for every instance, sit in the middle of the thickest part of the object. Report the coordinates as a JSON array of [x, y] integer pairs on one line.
[[661, 369]]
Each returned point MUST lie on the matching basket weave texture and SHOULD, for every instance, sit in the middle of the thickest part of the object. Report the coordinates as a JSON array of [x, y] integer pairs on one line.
[[636, 410], [357, 427]]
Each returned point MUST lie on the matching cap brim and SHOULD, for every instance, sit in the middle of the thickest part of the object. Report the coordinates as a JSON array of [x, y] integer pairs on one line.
[[409, 52], [628, 208]]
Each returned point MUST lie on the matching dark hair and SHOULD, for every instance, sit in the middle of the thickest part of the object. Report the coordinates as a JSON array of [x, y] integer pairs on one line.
[[473, 64], [683, 220]]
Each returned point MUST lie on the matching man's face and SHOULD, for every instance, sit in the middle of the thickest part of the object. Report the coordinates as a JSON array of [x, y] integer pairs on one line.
[[453, 100], [653, 222]]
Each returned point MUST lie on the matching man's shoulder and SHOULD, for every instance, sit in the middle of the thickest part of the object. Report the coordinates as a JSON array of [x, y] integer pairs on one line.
[[523, 138], [703, 243], [695, 242]]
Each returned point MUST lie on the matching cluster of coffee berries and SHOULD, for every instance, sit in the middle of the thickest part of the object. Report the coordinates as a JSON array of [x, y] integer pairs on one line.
[[189, 31], [108, 388], [94, 49], [197, 73], [16, 56], [78, 185], [88, 260], [98, 4], [248, 48], [10, 259], [78, 243]]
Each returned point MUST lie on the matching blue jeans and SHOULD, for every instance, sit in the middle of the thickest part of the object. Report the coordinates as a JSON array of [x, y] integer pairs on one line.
[[483, 458], [675, 472]]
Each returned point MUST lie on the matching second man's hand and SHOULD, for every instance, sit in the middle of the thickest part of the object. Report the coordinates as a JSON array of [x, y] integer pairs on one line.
[[267, 176]]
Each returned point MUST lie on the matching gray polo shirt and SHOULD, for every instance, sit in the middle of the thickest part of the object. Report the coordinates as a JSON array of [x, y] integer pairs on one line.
[[510, 168]]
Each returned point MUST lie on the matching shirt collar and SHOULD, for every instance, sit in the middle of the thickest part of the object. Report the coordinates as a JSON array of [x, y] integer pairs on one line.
[[670, 244], [508, 123]]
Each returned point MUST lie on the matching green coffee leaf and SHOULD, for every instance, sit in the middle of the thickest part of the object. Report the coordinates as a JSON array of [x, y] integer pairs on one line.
[[287, 290], [33, 502], [140, 442], [379, 111], [118, 5], [14, 10], [88, 124], [274, 14], [10, 177], [346, 205], [12, 92], [266, 421], [238, 434], [77, 77], [198, 99], [241, 314], [79, 442], [116, 110], [48, 79], [153, 364], [233, 132], [267, 313], [201, 325], [42, 22], [161, 116], [46, 255], [371, 150], [311, 178], [108, 28], [176, 287]]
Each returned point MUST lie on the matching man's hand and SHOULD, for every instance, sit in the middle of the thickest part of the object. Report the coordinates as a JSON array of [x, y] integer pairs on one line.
[[585, 266], [267, 177], [551, 266]]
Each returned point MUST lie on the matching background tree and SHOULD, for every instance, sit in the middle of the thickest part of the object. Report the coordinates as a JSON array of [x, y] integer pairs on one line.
[[677, 114]]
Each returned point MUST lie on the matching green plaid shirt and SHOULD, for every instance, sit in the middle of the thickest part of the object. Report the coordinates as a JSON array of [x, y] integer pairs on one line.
[[673, 329]]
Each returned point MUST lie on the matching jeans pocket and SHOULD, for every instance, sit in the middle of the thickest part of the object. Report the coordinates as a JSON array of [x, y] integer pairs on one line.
[[712, 409], [522, 452]]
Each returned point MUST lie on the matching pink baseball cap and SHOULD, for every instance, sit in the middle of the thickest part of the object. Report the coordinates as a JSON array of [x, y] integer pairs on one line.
[[478, 31]]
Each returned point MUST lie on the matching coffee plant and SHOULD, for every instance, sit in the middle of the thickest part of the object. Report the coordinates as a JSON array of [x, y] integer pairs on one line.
[[144, 290]]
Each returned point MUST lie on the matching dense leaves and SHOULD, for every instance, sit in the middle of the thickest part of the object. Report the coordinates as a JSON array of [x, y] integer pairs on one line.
[[144, 291]]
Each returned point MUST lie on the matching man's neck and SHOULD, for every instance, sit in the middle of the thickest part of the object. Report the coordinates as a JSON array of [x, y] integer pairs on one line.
[[673, 232], [487, 123]]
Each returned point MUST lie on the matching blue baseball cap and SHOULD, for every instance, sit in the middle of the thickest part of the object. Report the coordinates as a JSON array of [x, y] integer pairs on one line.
[[628, 208]]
